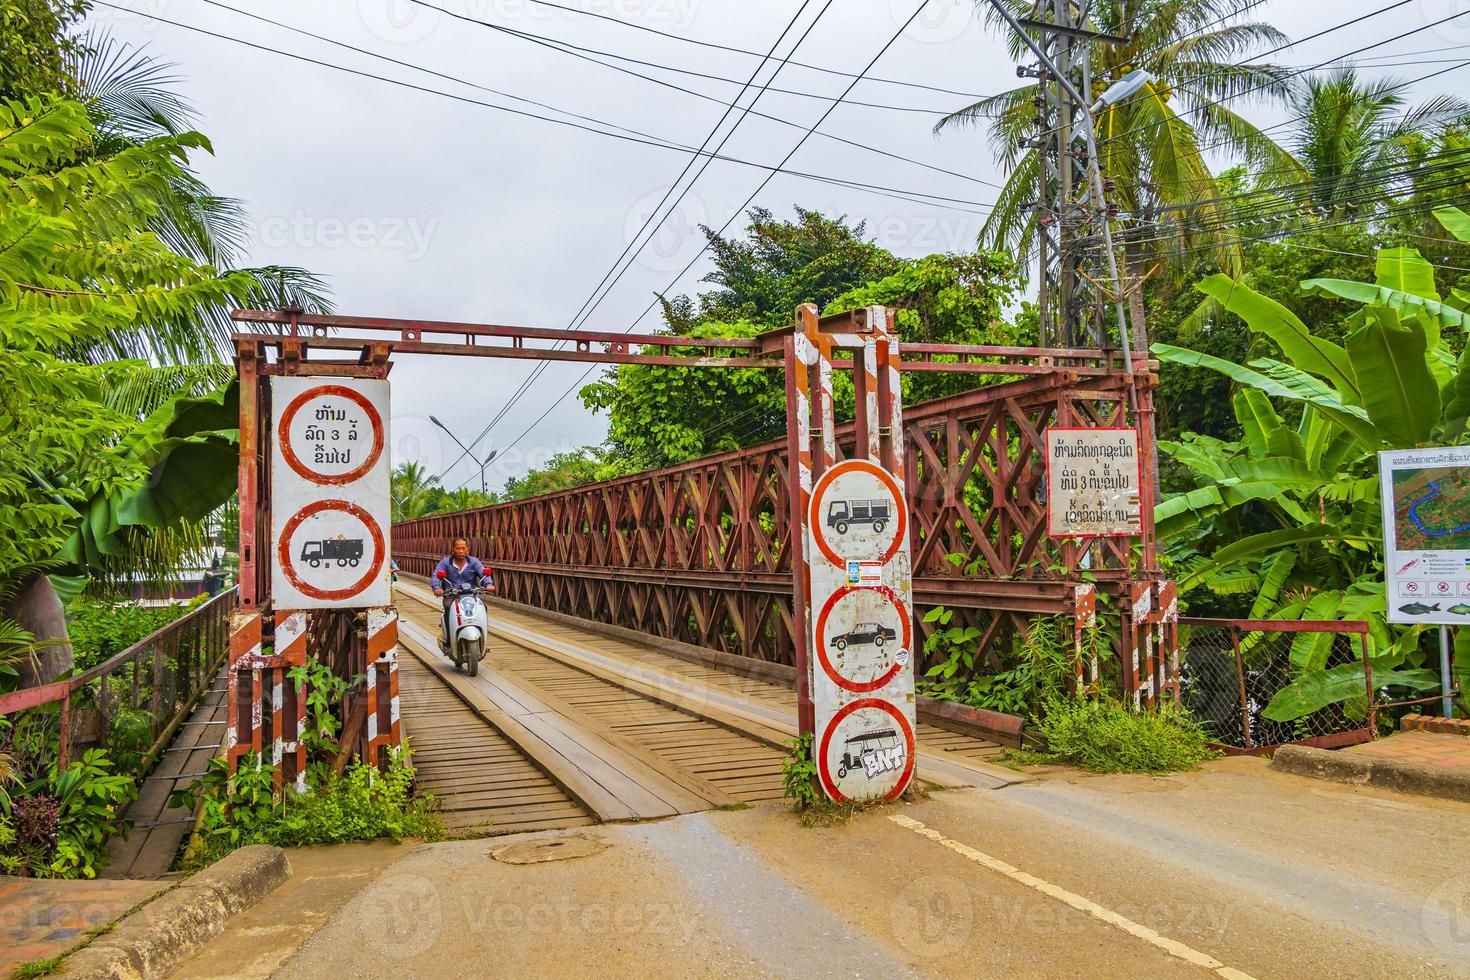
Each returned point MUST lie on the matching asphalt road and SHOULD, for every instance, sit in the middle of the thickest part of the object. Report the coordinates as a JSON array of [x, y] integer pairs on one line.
[[1232, 871]]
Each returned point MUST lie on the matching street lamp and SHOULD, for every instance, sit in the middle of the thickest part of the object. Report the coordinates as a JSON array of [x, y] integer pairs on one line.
[[481, 463]]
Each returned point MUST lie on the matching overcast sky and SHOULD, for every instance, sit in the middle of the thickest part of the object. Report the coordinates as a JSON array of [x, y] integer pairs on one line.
[[417, 205]]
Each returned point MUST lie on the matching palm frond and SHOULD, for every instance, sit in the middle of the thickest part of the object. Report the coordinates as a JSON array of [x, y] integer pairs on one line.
[[141, 392], [128, 91]]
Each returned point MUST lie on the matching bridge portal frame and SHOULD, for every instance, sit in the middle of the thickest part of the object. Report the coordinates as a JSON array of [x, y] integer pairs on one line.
[[294, 342]]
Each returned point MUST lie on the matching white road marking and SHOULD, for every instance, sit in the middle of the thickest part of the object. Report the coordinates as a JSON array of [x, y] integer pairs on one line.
[[1171, 946]]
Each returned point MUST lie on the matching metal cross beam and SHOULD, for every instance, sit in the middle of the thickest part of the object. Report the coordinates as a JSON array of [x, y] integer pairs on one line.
[[298, 334]]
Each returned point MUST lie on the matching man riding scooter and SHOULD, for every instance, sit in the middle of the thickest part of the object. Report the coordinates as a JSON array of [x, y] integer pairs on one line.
[[457, 574]]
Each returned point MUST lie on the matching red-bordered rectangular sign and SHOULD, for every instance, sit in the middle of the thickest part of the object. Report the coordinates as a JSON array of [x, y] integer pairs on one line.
[[1092, 485]]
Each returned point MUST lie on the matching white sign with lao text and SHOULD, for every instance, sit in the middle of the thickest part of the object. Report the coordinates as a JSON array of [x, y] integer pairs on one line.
[[329, 493], [1092, 482]]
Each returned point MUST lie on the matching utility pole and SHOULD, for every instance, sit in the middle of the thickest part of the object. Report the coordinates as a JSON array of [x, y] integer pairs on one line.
[[1071, 209]]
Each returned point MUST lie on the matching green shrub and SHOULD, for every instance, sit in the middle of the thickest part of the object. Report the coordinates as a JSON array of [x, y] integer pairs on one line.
[[361, 804], [1102, 735], [799, 774], [58, 826], [99, 629]]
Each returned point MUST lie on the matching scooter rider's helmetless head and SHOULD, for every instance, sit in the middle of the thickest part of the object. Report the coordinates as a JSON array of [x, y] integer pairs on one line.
[[460, 549]]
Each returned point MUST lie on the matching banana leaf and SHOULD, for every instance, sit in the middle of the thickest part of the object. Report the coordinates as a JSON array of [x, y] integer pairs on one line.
[[1400, 393], [1454, 221], [1315, 691], [1280, 381], [1371, 294], [1264, 315]]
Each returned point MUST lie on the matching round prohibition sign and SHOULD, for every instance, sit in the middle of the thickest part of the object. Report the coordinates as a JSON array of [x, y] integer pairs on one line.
[[843, 712], [283, 435], [814, 511], [831, 671], [283, 550]]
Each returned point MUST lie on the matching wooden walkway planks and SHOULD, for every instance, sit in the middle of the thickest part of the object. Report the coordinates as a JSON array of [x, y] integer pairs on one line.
[[148, 851], [483, 783]]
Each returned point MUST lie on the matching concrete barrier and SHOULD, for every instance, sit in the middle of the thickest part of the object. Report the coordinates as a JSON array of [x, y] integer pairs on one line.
[[153, 940], [1359, 770]]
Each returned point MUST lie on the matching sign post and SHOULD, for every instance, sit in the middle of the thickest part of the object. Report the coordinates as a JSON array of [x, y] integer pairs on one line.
[[1426, 544], [329, 493], [853, 579]]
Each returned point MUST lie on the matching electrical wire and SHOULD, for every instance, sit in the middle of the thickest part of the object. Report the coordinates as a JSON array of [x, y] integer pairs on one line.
[[627, 135], [709, 44], [737, 212], [593, 299]]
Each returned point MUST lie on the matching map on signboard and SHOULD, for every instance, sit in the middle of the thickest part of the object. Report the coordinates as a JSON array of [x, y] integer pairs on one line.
[[1432, 507], [1426, 534]]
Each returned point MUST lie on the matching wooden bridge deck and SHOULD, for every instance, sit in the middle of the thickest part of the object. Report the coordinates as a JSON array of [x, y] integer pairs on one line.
[[148, 851], [635, 733]]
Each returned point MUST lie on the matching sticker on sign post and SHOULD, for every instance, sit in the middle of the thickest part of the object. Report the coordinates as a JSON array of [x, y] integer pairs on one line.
[[329, 493], [861, 632]]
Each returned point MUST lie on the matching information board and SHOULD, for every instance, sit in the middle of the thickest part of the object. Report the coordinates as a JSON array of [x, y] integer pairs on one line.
[[1092, 482], [330, 514], [862, 632], [1426, 534]]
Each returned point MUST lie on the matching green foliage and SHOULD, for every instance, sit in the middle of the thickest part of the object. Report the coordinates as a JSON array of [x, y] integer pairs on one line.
[[59, 825], [1102, 735], [99, 629], [562, 472], [659, 416], [1287, 518], [37, 48], [415, 493], [361, 804], [1042, 661], [799, 774], [1152, 146], [38, 968]]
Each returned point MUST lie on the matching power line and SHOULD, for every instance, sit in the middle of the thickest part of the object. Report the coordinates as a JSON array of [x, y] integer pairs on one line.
[[627, 135], [705, 44], [593, 299], [779, 120], [762, 186]]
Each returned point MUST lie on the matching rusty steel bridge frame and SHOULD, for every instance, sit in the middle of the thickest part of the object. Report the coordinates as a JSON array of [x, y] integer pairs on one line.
[[702, 552]]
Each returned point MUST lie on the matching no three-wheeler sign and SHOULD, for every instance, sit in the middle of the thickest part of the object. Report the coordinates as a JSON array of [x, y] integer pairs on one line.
[[862, 632], [329, 493]]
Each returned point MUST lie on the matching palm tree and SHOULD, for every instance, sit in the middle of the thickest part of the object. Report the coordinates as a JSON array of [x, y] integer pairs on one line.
[[1154, 145], [414, 492], [1349, 129]]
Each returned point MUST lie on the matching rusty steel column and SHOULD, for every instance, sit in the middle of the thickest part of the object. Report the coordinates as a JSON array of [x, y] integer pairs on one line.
[[799, 488], [249, 480]]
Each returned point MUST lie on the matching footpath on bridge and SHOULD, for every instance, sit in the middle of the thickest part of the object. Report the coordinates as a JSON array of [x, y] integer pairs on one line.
[[623, 731]]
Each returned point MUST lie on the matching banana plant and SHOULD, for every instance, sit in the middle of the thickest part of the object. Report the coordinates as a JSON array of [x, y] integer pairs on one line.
[[1289, 513]]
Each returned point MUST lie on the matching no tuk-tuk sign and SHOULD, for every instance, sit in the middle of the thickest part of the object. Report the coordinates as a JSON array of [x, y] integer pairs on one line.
[[329, 493], [862, 632]]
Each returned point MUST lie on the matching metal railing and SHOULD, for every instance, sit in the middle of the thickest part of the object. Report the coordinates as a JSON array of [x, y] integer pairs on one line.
[[139, 696], [1231, 669]]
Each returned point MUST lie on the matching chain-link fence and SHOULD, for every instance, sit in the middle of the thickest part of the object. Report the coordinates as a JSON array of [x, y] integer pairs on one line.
[[1231, 671], [129, 702]]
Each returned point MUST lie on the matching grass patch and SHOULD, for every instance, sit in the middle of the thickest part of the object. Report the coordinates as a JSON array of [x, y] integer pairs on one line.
[[37, 968], [1102, 735], [361, 804]]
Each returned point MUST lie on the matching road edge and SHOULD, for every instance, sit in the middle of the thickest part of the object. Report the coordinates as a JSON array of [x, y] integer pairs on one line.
[[157, 937], [1361, 770]]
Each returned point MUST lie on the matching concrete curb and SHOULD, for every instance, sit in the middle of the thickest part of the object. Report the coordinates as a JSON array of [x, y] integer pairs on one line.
[[152, 941], [1360, 770]]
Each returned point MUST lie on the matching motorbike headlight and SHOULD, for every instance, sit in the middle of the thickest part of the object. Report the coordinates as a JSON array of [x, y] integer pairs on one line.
[[471, 605]]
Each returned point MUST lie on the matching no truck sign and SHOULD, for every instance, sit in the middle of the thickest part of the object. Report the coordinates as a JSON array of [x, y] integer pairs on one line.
[[329, 493], [862, 632]]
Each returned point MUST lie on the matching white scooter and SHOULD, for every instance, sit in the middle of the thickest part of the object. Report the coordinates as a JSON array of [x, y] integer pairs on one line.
[[469, 625]]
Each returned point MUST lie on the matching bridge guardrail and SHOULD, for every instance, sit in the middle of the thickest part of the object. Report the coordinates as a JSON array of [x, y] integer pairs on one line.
[[153, 683], [1231, 669]]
